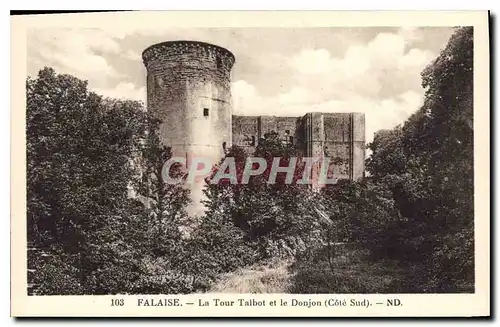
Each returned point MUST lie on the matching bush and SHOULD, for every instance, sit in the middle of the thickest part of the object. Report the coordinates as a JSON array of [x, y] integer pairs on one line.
[[217, 248], [54, 275], [160, 276], [343, 270]]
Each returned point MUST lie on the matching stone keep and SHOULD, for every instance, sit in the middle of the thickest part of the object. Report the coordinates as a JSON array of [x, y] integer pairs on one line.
[[339, 136]]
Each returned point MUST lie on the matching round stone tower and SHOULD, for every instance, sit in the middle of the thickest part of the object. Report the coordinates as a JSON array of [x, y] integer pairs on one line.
[[188, 89]]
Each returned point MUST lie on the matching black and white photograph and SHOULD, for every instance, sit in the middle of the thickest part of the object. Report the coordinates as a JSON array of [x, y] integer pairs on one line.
[[250, 160]]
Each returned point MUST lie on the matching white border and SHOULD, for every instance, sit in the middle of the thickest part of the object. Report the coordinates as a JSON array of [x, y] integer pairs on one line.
[[427, 305]]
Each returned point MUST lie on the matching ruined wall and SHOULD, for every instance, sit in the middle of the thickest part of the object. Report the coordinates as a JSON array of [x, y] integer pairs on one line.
[[246, 132], [339, 136], [286, 127], [314, 138], [314, 134]]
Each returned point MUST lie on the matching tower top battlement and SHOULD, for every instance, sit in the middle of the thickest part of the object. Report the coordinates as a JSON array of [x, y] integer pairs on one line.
[[169, 50]]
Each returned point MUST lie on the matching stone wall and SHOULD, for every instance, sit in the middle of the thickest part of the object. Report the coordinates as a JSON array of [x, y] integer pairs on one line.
[[246, 133], [248, 130], [345, 143], [338, 143]]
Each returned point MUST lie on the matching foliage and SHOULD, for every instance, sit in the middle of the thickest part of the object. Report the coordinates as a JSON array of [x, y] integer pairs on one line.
[[439, 197], [166, 202], [217, 247], [416, 209], [268, 214], [84, 154], [347, 270], [79, 147], [415, 212], [54, 273]]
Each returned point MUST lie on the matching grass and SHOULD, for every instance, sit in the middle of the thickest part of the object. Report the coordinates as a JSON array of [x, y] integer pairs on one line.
[[353, 272], [350, 271], [272, 277]]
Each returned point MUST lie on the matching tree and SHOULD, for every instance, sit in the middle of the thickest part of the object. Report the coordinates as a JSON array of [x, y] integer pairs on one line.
[[417, 207], [80, 148], [164, 266], [449, 137], [165, 203], [389, 155], [271, 215], [428, 166]]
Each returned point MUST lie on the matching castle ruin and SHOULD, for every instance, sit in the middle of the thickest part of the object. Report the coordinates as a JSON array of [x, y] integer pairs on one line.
[[189, 90]]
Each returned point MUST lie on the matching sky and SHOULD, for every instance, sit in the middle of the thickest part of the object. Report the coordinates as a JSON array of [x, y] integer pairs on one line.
[[278, 71]]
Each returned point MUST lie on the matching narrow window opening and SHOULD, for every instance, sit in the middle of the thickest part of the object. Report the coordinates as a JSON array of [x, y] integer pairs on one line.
[[205, 112], [218, 62], [290, 139], [224, 146], [253, 141]]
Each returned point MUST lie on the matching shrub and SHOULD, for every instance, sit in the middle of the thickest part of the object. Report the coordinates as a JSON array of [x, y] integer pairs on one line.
[[54, 275], [217, 248], [343, 270]]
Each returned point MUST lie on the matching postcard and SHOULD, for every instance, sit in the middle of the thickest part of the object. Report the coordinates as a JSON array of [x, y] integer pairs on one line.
[[250, 164]]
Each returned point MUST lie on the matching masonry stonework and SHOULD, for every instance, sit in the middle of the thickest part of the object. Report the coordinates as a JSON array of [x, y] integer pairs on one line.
[[339, 136], [189, 90]]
